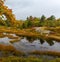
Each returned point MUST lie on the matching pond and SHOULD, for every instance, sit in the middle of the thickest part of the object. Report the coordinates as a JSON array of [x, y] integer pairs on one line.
[[26, 46]]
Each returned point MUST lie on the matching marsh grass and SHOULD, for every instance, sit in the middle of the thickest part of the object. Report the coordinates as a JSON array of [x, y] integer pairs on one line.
[[28, 59]]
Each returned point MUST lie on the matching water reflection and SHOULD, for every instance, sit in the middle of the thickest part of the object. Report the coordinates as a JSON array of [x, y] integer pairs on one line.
[[5, 40], [25, 45]]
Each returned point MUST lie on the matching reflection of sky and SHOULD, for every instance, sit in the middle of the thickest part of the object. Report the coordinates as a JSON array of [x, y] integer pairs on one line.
[[36, 45], [24, 8], [5, 40], [56, 47]]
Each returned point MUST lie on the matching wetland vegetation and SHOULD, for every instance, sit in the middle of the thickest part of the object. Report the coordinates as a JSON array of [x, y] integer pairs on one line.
[[31, 40]]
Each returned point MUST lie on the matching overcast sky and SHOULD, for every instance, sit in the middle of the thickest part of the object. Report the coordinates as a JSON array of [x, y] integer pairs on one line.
[[24, 8]]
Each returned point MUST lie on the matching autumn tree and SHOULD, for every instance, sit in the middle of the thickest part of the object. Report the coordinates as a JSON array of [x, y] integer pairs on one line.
[[51, 18], [42, 18], [30, 18]]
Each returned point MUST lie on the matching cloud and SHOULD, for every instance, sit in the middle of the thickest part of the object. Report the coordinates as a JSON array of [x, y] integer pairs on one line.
[[24, 8]]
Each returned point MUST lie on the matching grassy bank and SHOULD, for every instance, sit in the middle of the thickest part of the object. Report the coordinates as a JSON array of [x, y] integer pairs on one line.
[[28, 59]]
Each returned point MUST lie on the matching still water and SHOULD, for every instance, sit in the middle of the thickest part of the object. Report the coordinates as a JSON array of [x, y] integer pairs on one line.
[[26, 46]]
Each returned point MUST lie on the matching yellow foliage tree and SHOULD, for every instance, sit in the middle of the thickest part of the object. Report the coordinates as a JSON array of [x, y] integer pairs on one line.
[[8, 13]]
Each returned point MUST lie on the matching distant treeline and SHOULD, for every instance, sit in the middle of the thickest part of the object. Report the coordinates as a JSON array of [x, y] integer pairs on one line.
[[40, 22], [34, 22]]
